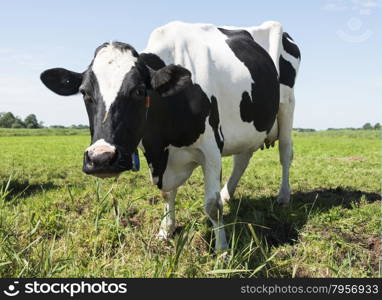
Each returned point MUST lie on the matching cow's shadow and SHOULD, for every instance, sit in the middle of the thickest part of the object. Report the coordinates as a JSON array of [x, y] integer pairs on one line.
[[276, 225], [19, 189]]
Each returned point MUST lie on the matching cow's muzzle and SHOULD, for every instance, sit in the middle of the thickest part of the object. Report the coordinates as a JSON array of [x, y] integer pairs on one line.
[[103, 160]]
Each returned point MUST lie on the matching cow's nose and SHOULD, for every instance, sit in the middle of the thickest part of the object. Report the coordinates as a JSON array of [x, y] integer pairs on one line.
[[101, 158], [101, 155]]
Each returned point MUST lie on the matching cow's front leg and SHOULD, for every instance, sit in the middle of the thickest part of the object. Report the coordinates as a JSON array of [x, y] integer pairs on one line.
[[213, 204], [167, 226]]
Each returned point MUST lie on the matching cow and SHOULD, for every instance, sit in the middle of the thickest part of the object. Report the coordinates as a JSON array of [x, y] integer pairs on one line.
[[198, 92]]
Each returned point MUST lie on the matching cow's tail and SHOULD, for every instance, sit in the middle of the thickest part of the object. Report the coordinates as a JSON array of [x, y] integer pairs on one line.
[[289, 61]]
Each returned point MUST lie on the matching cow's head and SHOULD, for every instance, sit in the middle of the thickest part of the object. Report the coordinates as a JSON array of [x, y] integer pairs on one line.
[[115, 88]]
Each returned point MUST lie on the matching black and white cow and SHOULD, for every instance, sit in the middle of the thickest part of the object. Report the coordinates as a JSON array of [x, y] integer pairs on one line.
[[196, 93]]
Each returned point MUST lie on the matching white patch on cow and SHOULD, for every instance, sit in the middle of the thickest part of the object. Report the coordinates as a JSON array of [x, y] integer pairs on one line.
[[110, 67], [101, 144]]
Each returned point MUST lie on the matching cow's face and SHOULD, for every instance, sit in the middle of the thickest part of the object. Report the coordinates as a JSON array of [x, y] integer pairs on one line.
[[115, 88]]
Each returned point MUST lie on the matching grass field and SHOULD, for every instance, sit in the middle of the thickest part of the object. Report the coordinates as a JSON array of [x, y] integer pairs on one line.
[[57, 222]]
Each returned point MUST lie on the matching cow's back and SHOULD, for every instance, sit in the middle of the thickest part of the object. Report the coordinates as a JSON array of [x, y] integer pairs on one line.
[[282, 49], [224, 74]]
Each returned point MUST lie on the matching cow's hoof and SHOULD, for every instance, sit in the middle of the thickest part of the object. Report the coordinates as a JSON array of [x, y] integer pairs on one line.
[[223, 256], [164, 235], [283, 199]]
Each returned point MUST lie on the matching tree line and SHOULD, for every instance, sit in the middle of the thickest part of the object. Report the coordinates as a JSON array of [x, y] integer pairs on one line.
[[9, 120], [366, 126]]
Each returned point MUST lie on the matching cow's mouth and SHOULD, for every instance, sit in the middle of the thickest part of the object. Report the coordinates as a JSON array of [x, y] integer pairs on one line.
[[105, 172]]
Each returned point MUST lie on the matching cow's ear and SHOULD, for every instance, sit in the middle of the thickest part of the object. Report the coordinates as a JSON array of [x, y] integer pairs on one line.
[[62, 81], [170, 80]]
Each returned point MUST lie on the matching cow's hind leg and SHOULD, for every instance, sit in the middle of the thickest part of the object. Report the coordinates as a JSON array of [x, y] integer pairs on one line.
[[167, 226], [240, 163], [285, 120]]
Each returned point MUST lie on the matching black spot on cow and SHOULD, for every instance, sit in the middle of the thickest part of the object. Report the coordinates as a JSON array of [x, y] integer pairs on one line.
[[262, 106], [246, 109], [287, 72], [176, 120], [157, 159], [290, 47], [214, 122]]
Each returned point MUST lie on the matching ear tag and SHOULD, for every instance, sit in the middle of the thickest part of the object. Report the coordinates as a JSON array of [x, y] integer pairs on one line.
[[135, 161], [147, 101]]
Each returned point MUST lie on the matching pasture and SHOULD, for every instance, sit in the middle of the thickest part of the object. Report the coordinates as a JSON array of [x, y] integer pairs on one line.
[[57, 222]]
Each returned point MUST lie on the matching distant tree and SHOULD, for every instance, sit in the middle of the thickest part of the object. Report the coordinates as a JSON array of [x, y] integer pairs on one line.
[[18, 123], [79, 126], [377, 126], [56, 126], [367, 126], [7, 119], [31, 121], [304, 129]]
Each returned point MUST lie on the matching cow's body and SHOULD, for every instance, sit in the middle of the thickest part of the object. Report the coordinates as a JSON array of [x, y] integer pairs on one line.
[[240, 99], [204, 51]]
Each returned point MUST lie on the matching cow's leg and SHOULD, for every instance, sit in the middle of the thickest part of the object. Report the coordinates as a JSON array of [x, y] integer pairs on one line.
[[213, 204], [285, 119], [240, 163], [167, 226], [179, 168]]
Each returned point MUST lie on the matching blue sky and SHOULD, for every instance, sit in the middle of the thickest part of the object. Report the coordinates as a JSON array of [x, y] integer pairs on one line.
[[339, 84]]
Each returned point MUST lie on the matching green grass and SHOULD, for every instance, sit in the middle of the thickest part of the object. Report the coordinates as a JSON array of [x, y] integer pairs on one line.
[[56, 221]]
